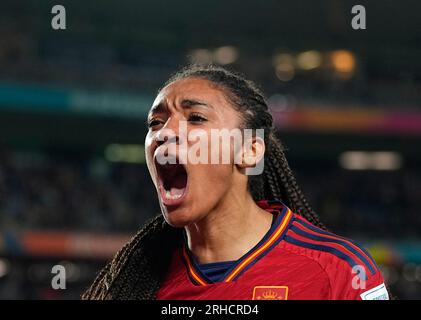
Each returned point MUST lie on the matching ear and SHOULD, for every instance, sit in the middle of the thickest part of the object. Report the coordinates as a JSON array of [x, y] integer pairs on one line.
[[252, 152]]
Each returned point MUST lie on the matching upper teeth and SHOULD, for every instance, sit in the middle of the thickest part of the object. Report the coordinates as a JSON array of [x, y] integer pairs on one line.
[[168, 195]]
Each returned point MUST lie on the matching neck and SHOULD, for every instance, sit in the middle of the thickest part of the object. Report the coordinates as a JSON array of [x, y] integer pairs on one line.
[[228, 231]]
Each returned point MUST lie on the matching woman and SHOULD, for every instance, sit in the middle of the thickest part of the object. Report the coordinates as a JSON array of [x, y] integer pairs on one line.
[[224, 234]]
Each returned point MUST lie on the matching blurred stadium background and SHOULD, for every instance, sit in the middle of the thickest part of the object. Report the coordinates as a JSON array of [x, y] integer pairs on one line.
[[73, 183]]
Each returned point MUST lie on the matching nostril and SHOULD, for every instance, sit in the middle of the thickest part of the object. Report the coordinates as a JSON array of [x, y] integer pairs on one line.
[[166, 139], [159, 142]]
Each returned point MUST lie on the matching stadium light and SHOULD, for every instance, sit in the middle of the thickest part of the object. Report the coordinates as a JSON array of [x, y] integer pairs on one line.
[[284, 66], [225, 55], [130, 153], [362, 160], [309, 60], [201, 56], [344, 63]]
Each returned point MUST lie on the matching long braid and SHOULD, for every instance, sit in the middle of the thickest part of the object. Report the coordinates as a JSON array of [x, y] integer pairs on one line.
[[277, 180], [121, 278], [136, 271], [102, 283], [295, 196]]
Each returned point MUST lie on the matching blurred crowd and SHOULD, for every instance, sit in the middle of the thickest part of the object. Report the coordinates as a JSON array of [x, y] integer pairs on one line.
[[44, 192], [365, 204], [108, 48], [38, 192]]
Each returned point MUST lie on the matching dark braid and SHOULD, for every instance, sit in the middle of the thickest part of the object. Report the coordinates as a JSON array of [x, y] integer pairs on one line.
[[122, 279], [277, 180], [138, 269]]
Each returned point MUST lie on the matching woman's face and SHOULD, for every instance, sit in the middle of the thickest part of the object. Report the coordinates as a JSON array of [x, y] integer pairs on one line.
[[187, 192]]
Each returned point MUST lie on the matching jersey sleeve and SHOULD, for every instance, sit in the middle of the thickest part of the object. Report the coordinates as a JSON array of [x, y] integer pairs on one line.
[[357, 282]]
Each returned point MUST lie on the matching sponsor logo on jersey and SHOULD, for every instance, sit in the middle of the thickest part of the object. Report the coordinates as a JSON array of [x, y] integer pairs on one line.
[[377, 293]]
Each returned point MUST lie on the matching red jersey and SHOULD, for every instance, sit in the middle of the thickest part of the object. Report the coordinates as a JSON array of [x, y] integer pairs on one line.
[[294, 260]]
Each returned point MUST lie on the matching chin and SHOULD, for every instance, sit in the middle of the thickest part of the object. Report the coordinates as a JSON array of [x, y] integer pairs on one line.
[[181, 216], [177, 218]]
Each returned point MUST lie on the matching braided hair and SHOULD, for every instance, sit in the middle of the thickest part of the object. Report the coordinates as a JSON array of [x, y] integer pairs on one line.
[[277, 182], [138, 269]]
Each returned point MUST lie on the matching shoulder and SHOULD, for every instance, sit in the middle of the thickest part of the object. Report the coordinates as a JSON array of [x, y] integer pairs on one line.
[[329, 246], [350, 268]]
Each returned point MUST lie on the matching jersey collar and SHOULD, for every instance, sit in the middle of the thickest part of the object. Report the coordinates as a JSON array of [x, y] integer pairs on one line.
[[283, 216]]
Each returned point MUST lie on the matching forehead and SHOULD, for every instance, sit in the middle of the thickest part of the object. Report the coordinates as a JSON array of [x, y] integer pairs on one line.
[[191, 88]]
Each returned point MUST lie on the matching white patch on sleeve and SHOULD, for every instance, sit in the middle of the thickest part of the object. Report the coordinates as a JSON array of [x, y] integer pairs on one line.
[[377, 293]]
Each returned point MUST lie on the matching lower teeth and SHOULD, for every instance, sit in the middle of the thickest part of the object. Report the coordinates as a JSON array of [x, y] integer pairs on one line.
[[168, 195]]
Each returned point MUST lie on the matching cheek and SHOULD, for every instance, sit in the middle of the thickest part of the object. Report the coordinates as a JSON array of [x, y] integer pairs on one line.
[[149, 152], [149, 139], [211, 180], [208, 146]]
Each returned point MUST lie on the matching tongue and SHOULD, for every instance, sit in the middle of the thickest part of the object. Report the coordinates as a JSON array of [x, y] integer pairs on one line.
[[176, 191], [177, 184]]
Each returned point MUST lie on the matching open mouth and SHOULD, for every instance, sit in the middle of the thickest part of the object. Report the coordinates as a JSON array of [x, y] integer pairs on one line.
[[172, 183]]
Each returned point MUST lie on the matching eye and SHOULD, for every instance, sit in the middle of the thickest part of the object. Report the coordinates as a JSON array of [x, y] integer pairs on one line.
[[196, 118], [153, 122]]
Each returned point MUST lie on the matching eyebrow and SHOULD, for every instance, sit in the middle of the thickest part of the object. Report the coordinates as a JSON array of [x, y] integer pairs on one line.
[[188, 103], [185, 104]]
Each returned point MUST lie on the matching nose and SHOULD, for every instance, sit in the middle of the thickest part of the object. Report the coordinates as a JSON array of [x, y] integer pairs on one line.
[[166, 136], [168, 133]]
